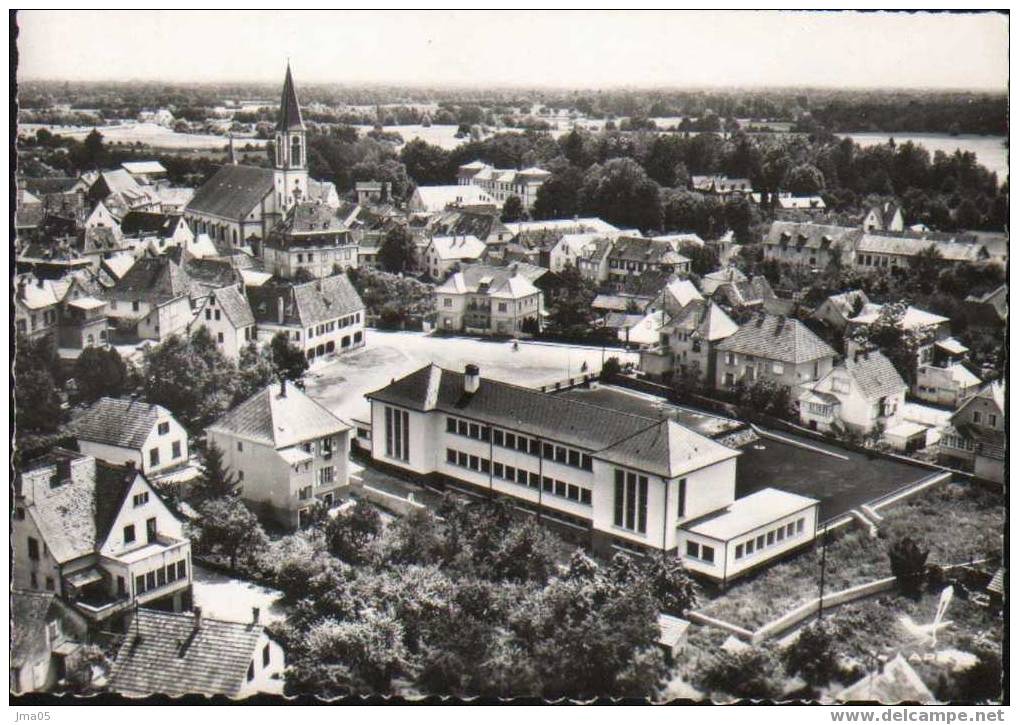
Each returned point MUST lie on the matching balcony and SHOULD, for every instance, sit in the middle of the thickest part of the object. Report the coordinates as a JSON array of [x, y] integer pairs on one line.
[[158, 547]]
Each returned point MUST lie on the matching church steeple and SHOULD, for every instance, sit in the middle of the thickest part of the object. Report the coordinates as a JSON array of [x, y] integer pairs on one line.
[[290, 109], [290, 164]]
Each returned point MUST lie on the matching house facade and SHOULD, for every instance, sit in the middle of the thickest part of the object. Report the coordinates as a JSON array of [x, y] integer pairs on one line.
[[287, 452], [152, 300], [311, 238], [688, 342], [634, 257], [622, 482], [862, 392], [774, 348], [442, 254], [487, 300], [501, 184], [99, 537], [46, 640], [812, 245], [226, 314], [975, 438], [321, 317], [127, 431]]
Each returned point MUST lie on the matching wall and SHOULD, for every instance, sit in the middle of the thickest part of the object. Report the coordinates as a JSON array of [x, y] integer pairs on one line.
[[164, 443], [111, 454], [166, 319], [736, 566], [234, 339], [263, 680], [268, 479], [424, 451], [22, 566]]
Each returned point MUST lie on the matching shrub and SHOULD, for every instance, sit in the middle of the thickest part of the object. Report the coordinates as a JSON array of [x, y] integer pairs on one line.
[[747, 674], [812, 656], [908, 562]]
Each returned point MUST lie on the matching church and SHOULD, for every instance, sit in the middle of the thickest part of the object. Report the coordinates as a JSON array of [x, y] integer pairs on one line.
[[240, 204]]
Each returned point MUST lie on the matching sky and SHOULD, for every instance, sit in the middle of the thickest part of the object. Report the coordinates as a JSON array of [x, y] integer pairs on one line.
[[589, 49]]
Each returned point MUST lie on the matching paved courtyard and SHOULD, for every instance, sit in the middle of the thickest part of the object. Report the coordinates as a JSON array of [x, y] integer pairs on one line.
[[226, 598], [340, 384]]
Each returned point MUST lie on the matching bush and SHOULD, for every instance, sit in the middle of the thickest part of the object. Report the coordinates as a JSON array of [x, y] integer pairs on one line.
[[748, 674], [908, 563], [812, 656]]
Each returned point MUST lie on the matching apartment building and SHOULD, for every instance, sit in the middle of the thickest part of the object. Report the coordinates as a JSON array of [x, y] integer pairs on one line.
[[311, 239], [287, 452], [488, 300], [624, 482], [501, 184], [775, 348]]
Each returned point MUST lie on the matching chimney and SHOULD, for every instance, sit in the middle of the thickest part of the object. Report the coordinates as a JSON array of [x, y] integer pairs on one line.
[[39, 282], [254, 615], [283, 387], [198, 618], [472, 379], [280, 310]]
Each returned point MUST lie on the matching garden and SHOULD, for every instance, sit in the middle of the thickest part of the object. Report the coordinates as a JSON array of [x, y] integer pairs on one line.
[[955, 522]]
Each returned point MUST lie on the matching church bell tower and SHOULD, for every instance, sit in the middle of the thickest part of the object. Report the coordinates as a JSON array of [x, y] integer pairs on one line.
[[290, 166]]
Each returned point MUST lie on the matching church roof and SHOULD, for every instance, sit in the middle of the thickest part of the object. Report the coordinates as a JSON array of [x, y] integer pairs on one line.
[[232, 192], [290, 109]]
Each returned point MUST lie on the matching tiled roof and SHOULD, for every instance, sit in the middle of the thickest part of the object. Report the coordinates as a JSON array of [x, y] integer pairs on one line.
[[667, 449], [234, 305], [74, 516], [118, 181], [437, 198], [279, 420], [747, 292], [49, 184], [202, 275], [913, 318], [896, 682], [118, 422], [776, 338], [309, 217], [705, 318], [305, 304], [874, 375], [452, 248], [997, 583], [477, 224], [232, 192], [846, 301], [683, 292], [638, 249], [952, 251], [137, 223], [628, 439], [156, 279], [37, 294], [506, 282], [290, 109], [164, 653], [811, 236]]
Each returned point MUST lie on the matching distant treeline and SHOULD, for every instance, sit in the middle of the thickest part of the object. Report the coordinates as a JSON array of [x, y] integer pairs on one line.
[[831, 109]]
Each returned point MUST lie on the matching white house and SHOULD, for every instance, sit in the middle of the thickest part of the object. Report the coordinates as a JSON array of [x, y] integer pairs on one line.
[[444, 253], [98, 536], [630, 483], [226, 314], [435, 199], [501, 184], [321, 317], [859, 393], [489, 301], [122, 431], [287, 452]]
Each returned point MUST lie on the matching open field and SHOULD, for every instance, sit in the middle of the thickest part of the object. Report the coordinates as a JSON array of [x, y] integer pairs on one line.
[[340, 384], [840, 485], [443, 136], [148, 134], [956, 522]]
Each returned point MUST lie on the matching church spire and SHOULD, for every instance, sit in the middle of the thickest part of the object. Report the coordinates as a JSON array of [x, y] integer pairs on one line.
[[290, 109]]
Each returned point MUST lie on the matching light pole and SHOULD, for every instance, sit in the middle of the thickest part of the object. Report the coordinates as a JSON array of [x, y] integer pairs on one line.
[[824, 561]]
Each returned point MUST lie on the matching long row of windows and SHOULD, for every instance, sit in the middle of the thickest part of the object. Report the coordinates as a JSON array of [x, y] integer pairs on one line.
[[771, 538], [159, 577], [520, 476], [517, 442], [330, 326]]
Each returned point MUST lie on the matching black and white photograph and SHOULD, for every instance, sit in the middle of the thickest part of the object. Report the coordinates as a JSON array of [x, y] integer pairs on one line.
[[509, 357]]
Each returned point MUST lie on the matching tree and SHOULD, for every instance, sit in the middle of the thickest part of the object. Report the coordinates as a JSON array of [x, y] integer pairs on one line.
[[93, 150], [228, 528], [746, 674], [620, 192], [287, 358], [572, 308], [671, 585], [255, 371], [557, 197], [908, 563], [190, 377], [397, 251], [215, 480], [805, 180], [350, 534], [513, 209], [36, 394], [812, 655], [100, 372]]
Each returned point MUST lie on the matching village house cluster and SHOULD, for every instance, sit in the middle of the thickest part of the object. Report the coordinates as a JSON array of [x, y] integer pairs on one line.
[[120, 258]]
